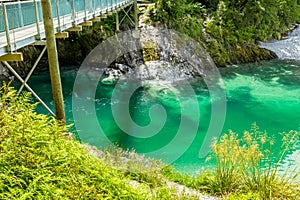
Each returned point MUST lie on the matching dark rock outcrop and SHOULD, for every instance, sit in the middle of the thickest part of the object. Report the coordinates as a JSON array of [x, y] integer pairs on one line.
[[3, 73], [249, 54]]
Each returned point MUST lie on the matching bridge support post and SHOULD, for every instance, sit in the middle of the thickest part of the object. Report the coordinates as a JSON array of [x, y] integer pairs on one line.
[[6, 28], [58, 14], [117, 22], [37, 21], [20, 13], [136, 12], [53, 60]]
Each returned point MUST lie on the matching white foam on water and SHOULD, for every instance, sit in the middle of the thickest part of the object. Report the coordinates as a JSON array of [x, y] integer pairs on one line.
[[286, 49]]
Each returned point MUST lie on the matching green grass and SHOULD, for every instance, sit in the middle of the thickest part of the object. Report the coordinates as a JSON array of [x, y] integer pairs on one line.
[[39, 161]]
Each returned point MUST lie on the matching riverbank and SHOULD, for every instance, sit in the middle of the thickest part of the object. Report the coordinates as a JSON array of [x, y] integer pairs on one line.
[[39, 160]]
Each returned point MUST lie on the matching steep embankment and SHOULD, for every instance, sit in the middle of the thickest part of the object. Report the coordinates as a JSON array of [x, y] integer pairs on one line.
[[229, 30]]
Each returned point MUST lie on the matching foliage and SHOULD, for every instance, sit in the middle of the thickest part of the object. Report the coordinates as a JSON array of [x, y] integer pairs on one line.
[[183, 15], [38, 161], [150, 51], [246, 168]]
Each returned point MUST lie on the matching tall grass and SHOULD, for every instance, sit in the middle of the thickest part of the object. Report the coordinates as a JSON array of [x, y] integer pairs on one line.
[[248, 164], [246, 167]]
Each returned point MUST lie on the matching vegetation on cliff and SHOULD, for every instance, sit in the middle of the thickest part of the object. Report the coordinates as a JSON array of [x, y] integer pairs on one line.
[[230, 29]]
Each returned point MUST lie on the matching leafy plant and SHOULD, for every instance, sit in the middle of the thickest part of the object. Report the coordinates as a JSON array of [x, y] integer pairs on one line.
[[246, 168]]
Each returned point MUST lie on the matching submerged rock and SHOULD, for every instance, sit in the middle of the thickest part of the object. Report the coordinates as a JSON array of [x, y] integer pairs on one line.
[[150, 71]]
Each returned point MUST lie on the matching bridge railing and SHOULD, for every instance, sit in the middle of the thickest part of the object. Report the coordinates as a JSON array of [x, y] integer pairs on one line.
[[18, 15]]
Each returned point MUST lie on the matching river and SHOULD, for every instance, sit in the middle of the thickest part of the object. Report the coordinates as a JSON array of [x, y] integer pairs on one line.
[[266, 93]]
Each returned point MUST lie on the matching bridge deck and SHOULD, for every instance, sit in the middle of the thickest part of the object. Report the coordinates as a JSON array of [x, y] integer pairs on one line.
[[19, 26]]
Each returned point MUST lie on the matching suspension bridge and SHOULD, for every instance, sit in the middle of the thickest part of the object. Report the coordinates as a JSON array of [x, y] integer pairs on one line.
[[41, 22]]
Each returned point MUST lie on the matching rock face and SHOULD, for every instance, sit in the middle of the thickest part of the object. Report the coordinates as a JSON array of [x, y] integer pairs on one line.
[[250, 53], [163, 70], [3, 73], [150, 71], [163, 55]]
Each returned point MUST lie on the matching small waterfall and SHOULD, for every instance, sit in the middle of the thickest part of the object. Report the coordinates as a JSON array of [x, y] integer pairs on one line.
[[286, 49]]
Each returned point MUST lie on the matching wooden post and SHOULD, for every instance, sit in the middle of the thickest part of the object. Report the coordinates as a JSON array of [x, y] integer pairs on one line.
[[73, 13], [136, 20], [58, 14], [37, 21], [117, 22], [85, 18], [53, 60]]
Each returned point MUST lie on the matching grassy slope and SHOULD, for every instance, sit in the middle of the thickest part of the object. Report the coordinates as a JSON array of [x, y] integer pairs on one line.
[[38, 161]]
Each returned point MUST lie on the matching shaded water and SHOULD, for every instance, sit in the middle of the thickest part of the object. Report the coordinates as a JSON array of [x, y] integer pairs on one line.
[[266, 93]]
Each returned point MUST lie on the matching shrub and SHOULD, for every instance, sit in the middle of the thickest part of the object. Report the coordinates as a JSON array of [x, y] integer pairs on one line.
[[229, 23]]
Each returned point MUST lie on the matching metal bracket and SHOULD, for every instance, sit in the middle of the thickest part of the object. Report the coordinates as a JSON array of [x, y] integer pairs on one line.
[[127, 14], [32, 69], [24, 82]]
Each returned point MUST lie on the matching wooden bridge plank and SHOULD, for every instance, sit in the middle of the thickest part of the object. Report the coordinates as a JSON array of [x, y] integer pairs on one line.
[[87, 23], [96, 19], [12, 57], [62, 35], [75, 28]]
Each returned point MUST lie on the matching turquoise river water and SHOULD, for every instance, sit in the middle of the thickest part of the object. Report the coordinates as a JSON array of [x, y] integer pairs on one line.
[[267, 93]]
